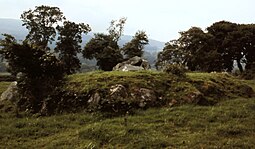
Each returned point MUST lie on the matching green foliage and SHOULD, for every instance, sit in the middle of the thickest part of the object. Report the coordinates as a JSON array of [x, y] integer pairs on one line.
[[175, 69], [40, 22], [116, 29], [214, 50], [136, 45], [68, 46], [221, 32], [4, 85], [105, 50], [249, 74], [37, 71], [171, 54]]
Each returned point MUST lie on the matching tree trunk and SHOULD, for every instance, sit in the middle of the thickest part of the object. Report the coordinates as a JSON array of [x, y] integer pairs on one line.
[[239, 65]]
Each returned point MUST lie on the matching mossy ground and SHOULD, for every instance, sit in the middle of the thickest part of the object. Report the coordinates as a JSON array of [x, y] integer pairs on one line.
[[226, 124]]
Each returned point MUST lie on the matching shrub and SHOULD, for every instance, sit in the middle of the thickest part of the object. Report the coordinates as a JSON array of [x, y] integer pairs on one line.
[[249, 74], [175, 69]]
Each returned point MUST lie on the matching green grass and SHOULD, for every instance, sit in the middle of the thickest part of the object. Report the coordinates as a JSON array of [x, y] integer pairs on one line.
[[84, 82], [4, 81], [196, 88], [229, 124], [4, 86]]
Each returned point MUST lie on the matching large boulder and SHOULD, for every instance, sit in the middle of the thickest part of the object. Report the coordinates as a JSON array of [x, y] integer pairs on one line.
[[11, 94], [128, 67], [133, 64]]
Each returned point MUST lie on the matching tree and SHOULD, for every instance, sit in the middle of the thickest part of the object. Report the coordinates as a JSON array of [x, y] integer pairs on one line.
[[68, 46], [136, 45], [38, 71], [116, 28], [235, 42], [171, 54], [214, 50], [105, 50], [104, 47], [223, 43], [40, 23], [248, 45], [193, 49], [199, 52]]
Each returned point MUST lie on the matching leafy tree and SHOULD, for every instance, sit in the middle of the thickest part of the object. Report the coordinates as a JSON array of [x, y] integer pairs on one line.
[[171, 54], [136, 45], [40, 23], [223, 42], [235, 42], [68, 46], [199, 52], [37, 70], [104, 47], [116, 28], [105, 50], [193, 49], [214, 50], [248, 45]]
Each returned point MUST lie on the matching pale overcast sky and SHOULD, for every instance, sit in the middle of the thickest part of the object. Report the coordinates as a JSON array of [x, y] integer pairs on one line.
[[161, 19]]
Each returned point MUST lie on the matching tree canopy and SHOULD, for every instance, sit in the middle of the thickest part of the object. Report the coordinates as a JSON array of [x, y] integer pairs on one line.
[[68, 46], [40, 23], [215, 49], [136, 45], [105, 50], [38, 69], [104, 47]]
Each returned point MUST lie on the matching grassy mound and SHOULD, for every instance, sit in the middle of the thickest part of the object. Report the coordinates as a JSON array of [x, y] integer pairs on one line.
[[120, 92], [226, 124]]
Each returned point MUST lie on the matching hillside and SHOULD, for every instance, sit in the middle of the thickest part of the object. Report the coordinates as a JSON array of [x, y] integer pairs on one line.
[[15, 28], [227, 120]]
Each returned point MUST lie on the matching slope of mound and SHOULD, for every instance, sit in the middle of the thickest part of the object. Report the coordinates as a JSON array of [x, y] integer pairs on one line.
[[123, 91]]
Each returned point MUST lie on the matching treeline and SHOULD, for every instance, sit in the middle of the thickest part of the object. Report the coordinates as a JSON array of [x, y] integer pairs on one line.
[[216, 49]]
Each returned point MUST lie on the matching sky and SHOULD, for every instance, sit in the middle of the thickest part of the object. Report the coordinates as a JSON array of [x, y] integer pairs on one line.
[[161, 19]]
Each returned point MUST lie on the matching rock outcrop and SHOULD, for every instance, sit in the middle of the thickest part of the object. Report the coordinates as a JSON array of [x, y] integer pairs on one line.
[[11, 94], [133, 64], [120, 98]]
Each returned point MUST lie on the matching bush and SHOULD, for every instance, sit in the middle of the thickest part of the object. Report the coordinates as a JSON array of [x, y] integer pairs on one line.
[[37, 72], [249, 74], [175, 69]]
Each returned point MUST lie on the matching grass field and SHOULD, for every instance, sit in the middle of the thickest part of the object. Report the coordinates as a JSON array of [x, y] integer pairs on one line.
[[228, 124]]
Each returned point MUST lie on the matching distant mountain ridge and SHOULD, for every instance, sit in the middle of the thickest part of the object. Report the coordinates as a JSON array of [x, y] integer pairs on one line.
[[14, 27]]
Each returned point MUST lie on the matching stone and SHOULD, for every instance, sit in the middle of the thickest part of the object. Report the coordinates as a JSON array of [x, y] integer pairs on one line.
[[133, 64], [144, 97], [118, 91], [11, 94], [94, 99], [129, 67]]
